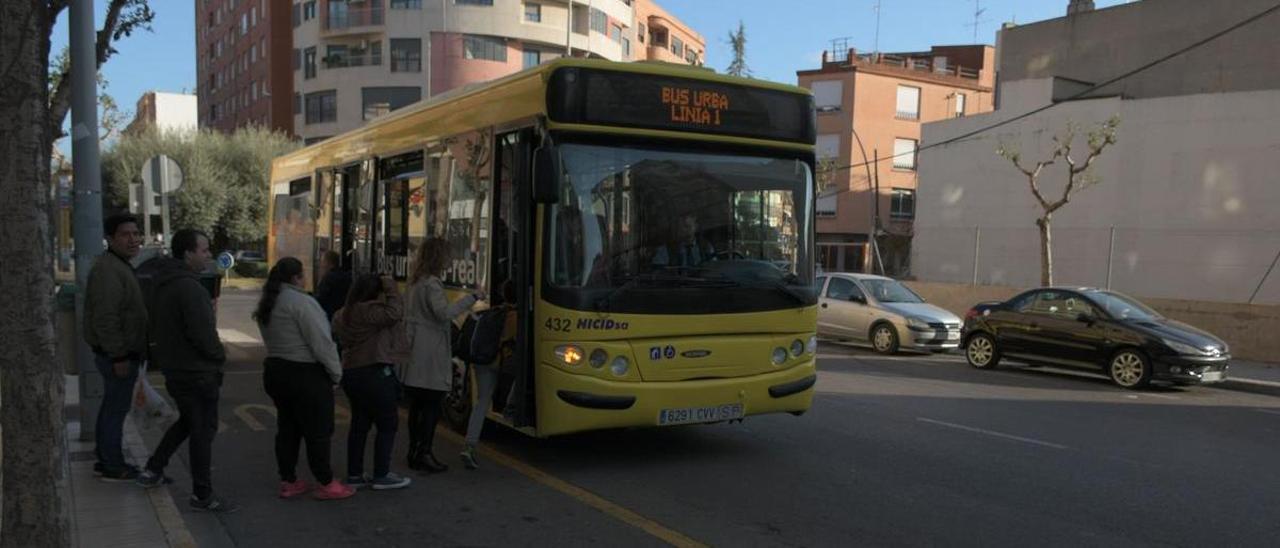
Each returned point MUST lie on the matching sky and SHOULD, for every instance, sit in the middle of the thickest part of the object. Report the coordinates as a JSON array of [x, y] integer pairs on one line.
[[779, 41]]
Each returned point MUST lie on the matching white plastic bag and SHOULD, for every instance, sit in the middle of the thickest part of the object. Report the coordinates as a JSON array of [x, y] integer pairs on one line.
[[146, 399]]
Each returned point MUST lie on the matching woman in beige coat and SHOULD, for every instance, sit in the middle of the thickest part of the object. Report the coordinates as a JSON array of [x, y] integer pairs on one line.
[[428, 375]]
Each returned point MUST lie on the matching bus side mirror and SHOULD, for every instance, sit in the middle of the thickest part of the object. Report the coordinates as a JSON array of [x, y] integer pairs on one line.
[[546, 175]]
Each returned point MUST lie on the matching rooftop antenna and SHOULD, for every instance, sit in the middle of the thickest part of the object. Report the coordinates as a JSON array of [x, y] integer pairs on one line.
[[876, 48], [978, 11]]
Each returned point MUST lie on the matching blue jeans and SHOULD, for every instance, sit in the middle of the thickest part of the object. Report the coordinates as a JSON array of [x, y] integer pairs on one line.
[[486, 382], [117, 394]]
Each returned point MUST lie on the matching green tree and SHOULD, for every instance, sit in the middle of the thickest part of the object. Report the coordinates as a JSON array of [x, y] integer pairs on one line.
[[1079, 177], [738, 42], [225, 177]]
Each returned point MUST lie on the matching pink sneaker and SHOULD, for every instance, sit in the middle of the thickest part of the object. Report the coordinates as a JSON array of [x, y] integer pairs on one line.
[[289, 490], [334, 490]]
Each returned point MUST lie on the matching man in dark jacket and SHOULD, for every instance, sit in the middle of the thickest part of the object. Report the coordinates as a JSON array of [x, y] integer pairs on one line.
[[187, 349], [115, 326], [334, 284]]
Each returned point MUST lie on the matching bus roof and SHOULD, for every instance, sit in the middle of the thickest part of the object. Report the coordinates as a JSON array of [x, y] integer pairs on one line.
[[523, 95]]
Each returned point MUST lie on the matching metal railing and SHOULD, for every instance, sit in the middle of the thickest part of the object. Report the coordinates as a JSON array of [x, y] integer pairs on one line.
[[342, 15], [343, 61]]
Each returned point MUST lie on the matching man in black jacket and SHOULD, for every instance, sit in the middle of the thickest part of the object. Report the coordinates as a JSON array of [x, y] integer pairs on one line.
[[187, 349]]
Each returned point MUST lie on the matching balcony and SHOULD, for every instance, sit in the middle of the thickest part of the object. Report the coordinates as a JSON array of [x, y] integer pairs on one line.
[[918, 64], [352, 60], [344, 18]]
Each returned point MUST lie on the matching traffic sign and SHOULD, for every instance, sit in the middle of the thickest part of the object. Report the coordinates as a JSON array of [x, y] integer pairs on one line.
[[162, 174], [226, 261]]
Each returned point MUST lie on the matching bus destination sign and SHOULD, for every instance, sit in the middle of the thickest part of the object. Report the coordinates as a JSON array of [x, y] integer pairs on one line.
[[650, 101]]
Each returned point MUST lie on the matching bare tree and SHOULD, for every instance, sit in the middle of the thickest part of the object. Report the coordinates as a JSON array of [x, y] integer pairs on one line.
[[31, 385], [1079, 177]]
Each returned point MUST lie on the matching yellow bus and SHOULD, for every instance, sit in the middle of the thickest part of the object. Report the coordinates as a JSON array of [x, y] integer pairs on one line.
[[655, 224]]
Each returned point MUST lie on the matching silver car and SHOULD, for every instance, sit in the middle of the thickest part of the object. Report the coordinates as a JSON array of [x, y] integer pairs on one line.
[[883, 312]]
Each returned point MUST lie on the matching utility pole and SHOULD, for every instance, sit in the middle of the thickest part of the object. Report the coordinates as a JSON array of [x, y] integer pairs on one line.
[[87, 229]]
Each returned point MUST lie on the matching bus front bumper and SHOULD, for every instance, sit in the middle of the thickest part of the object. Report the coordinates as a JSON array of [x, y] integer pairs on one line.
[[574, 403]]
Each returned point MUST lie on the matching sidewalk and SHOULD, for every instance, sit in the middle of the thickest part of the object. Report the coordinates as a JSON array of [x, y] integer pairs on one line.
[[115, 515], [1259, 378]]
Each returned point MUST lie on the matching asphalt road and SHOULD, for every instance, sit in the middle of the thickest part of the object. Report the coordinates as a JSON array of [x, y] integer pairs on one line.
[[909, 450]]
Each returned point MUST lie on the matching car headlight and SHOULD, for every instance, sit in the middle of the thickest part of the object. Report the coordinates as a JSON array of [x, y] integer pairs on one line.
[[1184, 348], [569, 354], [779, 355], [918, 324], [620, 366], [598, 357]]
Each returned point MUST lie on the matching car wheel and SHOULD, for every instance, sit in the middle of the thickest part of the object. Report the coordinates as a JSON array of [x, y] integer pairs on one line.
[[884, 338], [1130, 369], [981, 352]]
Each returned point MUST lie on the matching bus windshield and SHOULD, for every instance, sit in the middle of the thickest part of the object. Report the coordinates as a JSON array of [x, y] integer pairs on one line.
[[656, 231]]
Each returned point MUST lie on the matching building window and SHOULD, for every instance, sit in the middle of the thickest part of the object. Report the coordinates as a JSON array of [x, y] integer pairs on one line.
[[615, 33], [908, 103], [309, 10], [960, 104], [297, 103], [599, 21], [253, 53], [640, 32], [322, 107], [297, 59], [406, 55], [484, 47], [262, 47], [677, 46], [626, 48], [904, 154], [309, 63], [533, 12], [532, 58], [904, 204], [406, 4], [828, 95], [381, 100], [473, 2], [244, 24], [253, 16], [691, 56], [335, 56]]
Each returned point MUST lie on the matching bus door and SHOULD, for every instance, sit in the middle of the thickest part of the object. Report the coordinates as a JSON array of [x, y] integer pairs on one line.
[[512, 270], [398, 178]]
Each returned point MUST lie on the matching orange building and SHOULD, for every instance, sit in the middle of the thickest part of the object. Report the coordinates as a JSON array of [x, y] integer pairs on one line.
[[663, 37], [872, 105]]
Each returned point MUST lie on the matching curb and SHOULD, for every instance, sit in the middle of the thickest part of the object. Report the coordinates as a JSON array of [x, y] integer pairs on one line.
[[175, 527], [1253, 386]]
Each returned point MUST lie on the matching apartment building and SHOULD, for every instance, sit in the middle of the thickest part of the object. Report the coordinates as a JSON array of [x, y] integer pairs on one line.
[[355, 60], [243, 74], [870, 109]]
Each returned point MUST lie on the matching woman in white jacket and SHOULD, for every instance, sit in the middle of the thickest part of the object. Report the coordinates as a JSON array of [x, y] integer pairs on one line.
[[428, 375], [300, 373]]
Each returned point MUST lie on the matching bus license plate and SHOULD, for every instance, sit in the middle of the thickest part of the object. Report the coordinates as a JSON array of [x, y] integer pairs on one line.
[[694, 415]]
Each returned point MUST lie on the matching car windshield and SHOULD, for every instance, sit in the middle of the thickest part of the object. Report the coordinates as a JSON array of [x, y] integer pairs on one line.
[[1123, 307], [644, 219], [890, 291]]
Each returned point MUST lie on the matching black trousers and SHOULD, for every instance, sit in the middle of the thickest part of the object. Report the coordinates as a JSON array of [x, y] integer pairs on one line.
[[303, 395], [425, 408], [196, 393], [373, 391]]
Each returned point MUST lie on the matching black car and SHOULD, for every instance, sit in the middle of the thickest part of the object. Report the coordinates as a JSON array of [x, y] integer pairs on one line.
[[1093, 329]]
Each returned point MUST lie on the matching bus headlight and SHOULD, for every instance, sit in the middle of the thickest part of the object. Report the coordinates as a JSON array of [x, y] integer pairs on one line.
[[779, 355], [569, 354], [620, 366], [812, 347], [598, 357], [797, 348]]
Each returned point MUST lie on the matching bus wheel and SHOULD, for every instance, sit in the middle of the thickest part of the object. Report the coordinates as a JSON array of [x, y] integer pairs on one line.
[[457, 403]]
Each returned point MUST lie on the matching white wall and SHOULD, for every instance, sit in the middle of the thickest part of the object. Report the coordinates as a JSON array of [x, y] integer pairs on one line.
[[176, 112], [1191, 188]]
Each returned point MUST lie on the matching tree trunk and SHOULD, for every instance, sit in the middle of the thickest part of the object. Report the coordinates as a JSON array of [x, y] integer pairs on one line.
[[31, 386], [1046, 250]]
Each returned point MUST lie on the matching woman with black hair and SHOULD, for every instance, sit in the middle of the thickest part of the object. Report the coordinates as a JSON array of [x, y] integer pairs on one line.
[[300, 374], [370, 327]]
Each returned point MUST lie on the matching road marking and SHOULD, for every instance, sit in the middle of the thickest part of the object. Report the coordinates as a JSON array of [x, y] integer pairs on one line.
[[236, 336], [991, 433], [243, 412], [1165, 396], [1268, 411], [653, 528]]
